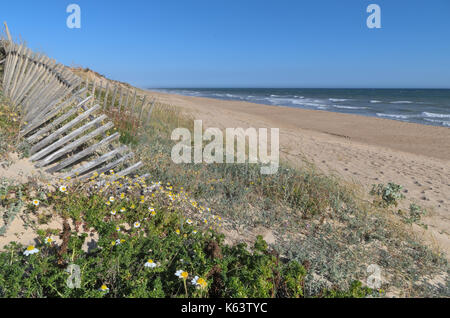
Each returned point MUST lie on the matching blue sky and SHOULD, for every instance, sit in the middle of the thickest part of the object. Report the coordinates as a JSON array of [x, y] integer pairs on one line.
[[245, 43]]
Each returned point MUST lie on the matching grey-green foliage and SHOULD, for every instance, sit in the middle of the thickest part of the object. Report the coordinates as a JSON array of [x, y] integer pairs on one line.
[[415, 213], [390, 193], [3, 143], [9, 212]]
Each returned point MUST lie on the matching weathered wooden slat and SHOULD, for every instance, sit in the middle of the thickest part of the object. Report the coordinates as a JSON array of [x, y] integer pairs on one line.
[[31, 74], [69, 147], [127, 171], [150, 112], [50, 115], [9, 58], [35, 86], [105, 102], [12, 63], [94, 163], [44, 90], [86, 152], [52, 84], [40, 97], [110, 165], [99, 92], [61, 98], [7, 63], [133, 105], [93, 90], [142, 108], [11, 73], [113, 102], [8, 50], [44, 152], [20, 69], [23, 76], [120, 100], [53, 90], [56, 122], [17, 70], [63, 129], [125, 107], [45, 110]]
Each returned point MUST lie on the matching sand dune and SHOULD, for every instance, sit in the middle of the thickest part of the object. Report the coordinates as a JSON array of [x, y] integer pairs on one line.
[[363, 150]]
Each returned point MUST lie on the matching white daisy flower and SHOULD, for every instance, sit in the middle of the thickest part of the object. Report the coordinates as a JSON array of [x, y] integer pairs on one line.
[[199, 282], [63, 188], [104, 289], [189, 221], [123, 210], [150, 263], [118, 228], [49, 240], [136, 224], [111, 199], [181, 274], [194, 280], [113, 212], [30, 250], [36, 202]]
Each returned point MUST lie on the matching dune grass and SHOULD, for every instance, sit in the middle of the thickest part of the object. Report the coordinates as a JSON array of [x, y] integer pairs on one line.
[[318, 220], [325, 233]]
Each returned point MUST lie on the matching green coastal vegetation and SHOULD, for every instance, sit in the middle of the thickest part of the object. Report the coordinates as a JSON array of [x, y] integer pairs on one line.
[[196, 230]]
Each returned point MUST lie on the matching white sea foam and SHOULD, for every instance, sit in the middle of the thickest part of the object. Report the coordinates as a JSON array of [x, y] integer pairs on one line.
[[435, 115], [398, 116], [375, 101], [349, 107], [439, 121], [296, 101], [337, 99], [402, 102]]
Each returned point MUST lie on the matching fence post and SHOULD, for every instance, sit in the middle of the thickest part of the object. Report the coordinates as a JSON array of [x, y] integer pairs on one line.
[[150, 112], [142, 109], [113, 103], [106, 96]]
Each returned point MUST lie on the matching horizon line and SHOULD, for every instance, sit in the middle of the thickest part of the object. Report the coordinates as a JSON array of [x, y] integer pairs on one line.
[[288, 87]]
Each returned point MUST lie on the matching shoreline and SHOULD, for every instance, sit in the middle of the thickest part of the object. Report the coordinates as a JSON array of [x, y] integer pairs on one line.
[[375, 103], [334, 123], [362, 150]]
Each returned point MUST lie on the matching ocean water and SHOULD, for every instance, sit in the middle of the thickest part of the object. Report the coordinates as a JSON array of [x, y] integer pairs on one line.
[[423, 106]]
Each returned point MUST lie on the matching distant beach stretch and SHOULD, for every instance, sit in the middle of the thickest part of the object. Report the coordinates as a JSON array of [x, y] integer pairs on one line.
[[423, 106], [362, 149]]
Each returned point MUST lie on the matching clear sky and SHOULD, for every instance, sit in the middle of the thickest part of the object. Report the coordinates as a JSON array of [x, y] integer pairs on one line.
[[245, 43]]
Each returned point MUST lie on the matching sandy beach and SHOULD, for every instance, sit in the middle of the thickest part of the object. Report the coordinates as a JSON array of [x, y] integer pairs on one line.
[[363, 150]]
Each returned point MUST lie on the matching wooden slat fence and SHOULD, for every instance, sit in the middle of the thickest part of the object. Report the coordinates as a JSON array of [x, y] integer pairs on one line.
[[67, 120]]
